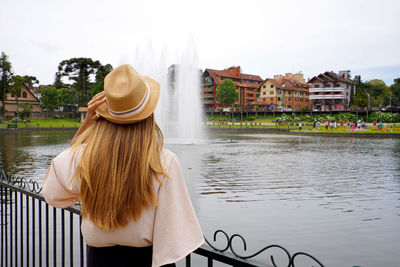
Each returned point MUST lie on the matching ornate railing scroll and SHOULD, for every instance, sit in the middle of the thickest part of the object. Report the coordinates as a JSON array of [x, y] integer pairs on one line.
[[20, 182], [229, 246]]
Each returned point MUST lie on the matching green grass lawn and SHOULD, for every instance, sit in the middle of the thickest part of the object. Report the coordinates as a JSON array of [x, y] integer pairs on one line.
[[45, 123]]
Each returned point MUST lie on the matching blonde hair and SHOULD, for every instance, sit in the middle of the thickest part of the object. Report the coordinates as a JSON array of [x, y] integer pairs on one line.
[[116, 170]]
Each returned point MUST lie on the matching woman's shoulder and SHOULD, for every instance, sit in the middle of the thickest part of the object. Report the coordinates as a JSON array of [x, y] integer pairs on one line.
[[69, 154], [168, 157]]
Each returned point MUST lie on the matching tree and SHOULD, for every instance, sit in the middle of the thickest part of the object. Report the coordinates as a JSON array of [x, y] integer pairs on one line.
[[17, 83], [79, 70], [395, 91], [31, 80], [58, 81], [97, 89], [66, 97], [102, 72], [227, 93], [100, 75], [360, 98], [5, 78], [379, 92], [48, 98], [26, 110]]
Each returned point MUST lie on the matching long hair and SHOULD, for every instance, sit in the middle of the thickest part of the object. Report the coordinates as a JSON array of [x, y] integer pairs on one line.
[[116, 170]]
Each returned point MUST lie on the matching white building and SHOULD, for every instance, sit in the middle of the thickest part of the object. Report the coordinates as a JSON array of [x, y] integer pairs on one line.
[[331, 91]]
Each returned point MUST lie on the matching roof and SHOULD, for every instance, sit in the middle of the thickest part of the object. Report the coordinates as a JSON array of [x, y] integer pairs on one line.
[[234, 73], [286, 84], [329, 76]]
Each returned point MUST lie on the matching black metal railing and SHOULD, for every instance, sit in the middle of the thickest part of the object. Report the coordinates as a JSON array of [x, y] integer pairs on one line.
[[36, 234]]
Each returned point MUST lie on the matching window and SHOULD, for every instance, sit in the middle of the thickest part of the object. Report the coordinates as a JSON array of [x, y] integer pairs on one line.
[[24, 95], [316, 86], [264, 93], [264, 86], [272, 99], [272, 86]]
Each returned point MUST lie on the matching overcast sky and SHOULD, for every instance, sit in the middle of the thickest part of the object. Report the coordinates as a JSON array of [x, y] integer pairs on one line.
[[263, 37]]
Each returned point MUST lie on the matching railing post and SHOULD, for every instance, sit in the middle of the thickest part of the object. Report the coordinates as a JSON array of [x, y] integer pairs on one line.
[[54, 236], [71, 239], [33, 232], [21, 214], [27, 229], [40, 233], [16, 227], [11, 230], [62, 238], [47, 236], [188, 260], [5, 225], [2, 225]]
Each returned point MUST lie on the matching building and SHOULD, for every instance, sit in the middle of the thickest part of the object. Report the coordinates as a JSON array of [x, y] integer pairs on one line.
[[26, 96], [246, 84], [289, 92], [331, 91]]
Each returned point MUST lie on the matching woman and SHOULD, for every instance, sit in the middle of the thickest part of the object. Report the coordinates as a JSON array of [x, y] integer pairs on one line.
[[134, 202]]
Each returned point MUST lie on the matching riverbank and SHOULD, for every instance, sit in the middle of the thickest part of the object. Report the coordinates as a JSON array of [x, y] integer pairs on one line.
[[46, 124], [307, 131]]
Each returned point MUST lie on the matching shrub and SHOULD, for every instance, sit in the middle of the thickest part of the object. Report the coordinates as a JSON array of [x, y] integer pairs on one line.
[[15, 120]]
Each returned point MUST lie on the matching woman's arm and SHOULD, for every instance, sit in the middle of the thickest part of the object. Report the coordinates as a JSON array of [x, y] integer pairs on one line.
[[91, 115]]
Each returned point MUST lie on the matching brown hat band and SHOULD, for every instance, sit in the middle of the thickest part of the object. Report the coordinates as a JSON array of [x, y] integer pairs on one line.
[[132, 111]]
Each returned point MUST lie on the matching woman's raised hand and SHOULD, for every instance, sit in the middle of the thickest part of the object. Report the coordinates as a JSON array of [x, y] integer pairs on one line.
[[93, 104], [91, 115]]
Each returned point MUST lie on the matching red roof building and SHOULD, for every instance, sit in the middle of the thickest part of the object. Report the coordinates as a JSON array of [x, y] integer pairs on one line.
[[246, 84]]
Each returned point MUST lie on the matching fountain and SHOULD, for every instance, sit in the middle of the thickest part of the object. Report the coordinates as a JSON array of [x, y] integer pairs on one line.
[[179, 112]]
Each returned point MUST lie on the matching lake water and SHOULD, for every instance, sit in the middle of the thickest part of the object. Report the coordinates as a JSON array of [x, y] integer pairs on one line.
[[335, 198]]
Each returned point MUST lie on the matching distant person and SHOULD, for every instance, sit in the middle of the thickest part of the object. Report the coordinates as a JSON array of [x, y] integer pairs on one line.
[[331, 124], [319, 125], [135, 207], [352, 126], [380, 126], [326, 125], [335, 124], [314, 124], [300, 126]]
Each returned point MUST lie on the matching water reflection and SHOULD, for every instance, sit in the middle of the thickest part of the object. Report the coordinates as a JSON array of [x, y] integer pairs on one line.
[[28, 153]]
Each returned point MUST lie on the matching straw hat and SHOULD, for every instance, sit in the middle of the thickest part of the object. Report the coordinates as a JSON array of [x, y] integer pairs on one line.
[[130, 97]]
